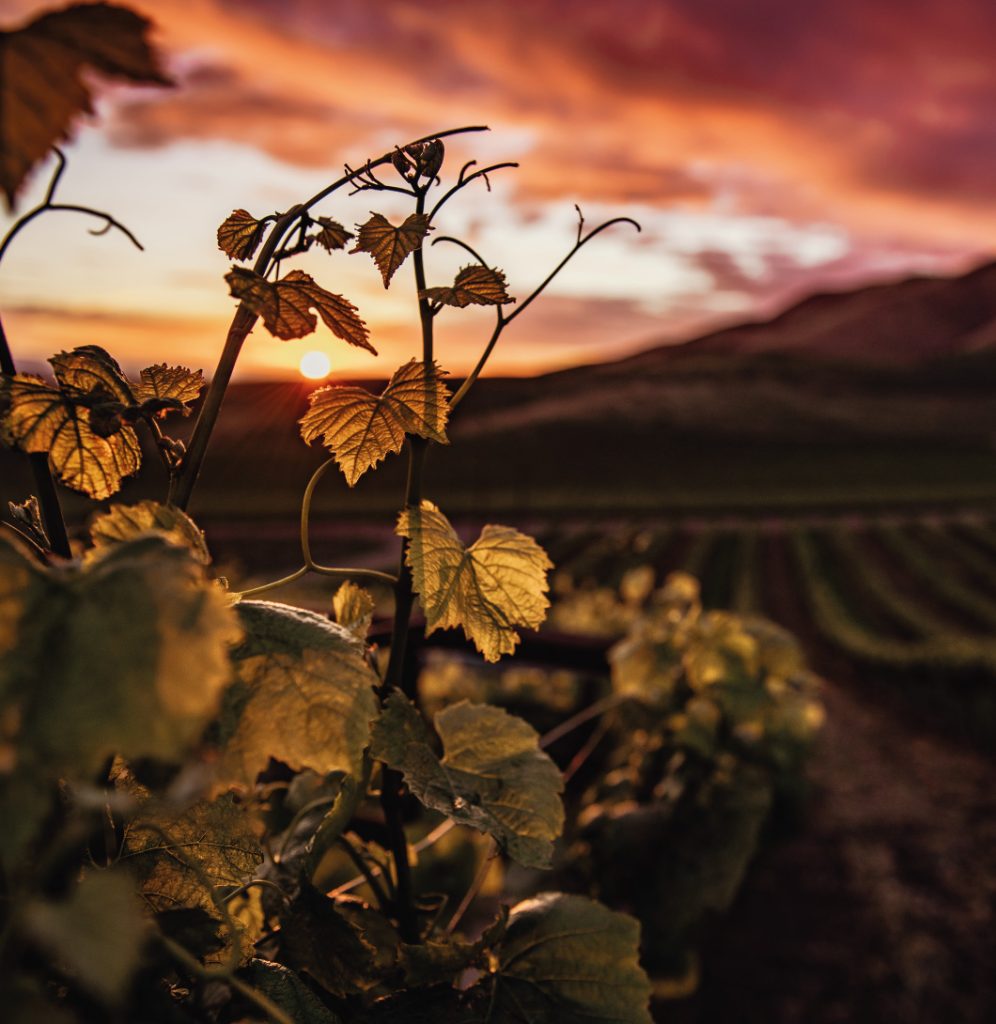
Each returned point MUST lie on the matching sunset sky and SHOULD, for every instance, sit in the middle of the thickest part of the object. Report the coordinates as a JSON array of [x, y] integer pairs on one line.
[[769, 149]]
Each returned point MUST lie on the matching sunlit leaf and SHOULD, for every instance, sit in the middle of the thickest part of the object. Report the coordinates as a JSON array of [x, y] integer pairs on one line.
[[286, 305], [361, 428], [89, 369], [303, 695], [476, 285], [43, 82], [497, 584], [239, 235], [353, 608], [126, 655], [332, 235], [95, 936], [285, 989], [124, 522], [492, 775], [569, 960], [390, 246], [175, 383]]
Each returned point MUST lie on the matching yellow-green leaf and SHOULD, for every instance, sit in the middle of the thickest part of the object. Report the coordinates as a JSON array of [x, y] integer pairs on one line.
[[353, 609], [125, 522], [476, 285], [390, 246], [239, 234], [286, 305], [303, 694], [497, 584], [492, 775], [361, 428], [331, 234], [43, 81], [175, 383]]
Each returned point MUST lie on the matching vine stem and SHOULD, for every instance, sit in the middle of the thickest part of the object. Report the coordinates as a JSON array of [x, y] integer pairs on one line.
[[244, 320]]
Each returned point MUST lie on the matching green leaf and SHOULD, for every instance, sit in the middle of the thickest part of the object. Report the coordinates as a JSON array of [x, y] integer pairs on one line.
[[284, 988], [569, 960], [492, 775], [44, 86], [332, 235], [303, 695], [495, 585], [125, 522], [286, 305], [476, 285], [360, 428], [170, 383], [390, 246], [239, 235], [353, 609], [96, 935]]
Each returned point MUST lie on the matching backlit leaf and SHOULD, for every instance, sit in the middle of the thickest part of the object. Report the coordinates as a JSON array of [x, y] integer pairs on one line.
[[361, 428], [332, 235], [239, 235], [126, 655], [125, 522], [492, 775], [169, 382], [476, 285], [353, 608], [490, 588], [286, 305], [43, 85], [303, 695], [390, 245], [569, 960]]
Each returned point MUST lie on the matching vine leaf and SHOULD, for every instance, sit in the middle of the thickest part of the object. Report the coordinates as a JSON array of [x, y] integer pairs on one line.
[[43, 88], [390, 246], [303, 694], [353, 609], [143, 620], [361, 428], [492, 775], [169, 384], [239, 235], [77, 422], [125, 522], [569, 960], [283, 987], [286, 305], [332, 235], [495, 585], [475, 285]]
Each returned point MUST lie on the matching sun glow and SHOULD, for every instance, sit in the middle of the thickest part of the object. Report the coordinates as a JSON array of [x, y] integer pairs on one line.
[[315, 365]]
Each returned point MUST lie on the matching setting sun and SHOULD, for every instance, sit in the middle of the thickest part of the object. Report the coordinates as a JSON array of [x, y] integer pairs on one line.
[[315, 365]]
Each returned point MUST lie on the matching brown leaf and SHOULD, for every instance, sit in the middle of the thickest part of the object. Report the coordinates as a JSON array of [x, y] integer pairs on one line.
[[240, 234], [332, 234], [476, 285], [42, 82], [390, 245], [286, 305], [175, 383]]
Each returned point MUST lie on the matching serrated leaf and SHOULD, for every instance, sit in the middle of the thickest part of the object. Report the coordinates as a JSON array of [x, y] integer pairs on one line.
[[169, 383], [303, 695], [332, 235], [475, 285], [283, 987], [360, 428], [286, 305], [353, 609], [179, 857], [96, 935], [126, 655], [497, 584], [492, 775], [569, 960], [239, 234], [390, 246], [77, 422], [125, 522], [43, 83]]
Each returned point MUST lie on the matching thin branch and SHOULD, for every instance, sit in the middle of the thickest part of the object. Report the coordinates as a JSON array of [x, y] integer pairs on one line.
[[463, 245], [475, 887], [462, 182], [282, 582], [383, 901]]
